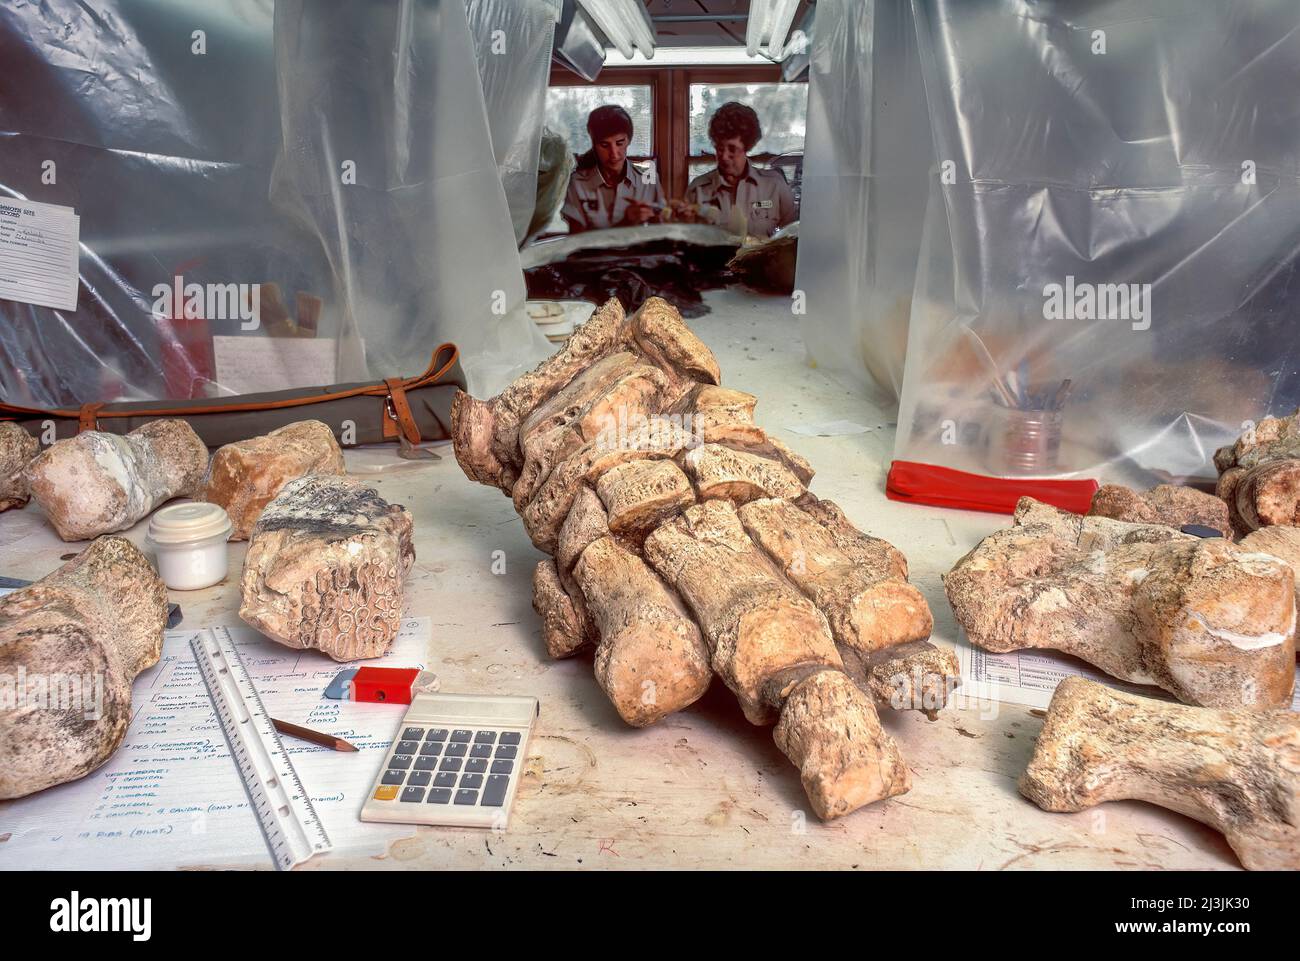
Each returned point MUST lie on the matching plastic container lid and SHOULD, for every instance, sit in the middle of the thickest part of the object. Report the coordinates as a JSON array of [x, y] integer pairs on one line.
[[189, 523]]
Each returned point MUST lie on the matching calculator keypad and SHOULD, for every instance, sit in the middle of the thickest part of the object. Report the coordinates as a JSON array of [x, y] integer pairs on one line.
[[427, 767]]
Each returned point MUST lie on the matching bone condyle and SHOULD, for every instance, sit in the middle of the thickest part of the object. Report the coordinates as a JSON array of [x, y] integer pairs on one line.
[[1235, 770]]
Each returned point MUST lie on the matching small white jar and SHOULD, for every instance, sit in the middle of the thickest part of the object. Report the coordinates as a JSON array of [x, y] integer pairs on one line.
[[190, 543]]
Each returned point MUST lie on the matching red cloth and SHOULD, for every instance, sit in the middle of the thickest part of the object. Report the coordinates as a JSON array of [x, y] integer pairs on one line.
[[915, 483]]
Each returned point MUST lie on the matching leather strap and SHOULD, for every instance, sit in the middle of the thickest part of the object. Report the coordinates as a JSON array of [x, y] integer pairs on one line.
[[88, 415], [400, 410]]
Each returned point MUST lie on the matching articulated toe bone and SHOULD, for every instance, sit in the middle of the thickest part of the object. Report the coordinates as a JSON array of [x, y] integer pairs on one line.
[[1237, 771], [831, 732], [1210, 623]]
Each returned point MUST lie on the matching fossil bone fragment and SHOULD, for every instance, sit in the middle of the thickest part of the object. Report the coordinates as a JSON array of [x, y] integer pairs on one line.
[[1259, 475], [626, 460], [1235, 770], [245, 476], [77, 638], [97, 483], [17, 448], [1208, 622], [325, 566], [1164, 504]]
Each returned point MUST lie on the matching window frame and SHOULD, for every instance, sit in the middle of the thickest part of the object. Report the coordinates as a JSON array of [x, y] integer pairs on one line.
[[670, 106]]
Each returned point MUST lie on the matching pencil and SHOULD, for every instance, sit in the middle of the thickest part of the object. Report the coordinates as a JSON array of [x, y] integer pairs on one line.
[[316, 737]]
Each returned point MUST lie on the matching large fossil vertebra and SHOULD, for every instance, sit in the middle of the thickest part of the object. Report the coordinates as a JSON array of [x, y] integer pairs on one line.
[[70, 646], [685, 543], [325, 566], [97, 483], [1210, 623], [1238, 771]]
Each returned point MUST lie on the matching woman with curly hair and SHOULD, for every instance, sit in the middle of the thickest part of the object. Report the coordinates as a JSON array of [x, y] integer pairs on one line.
[[736, 194]]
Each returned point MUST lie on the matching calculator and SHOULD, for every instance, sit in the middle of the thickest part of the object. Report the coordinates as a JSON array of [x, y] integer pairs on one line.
[[456, 761]]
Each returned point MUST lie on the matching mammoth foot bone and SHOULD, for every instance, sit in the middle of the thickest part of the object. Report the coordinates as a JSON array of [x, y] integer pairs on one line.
[[70, 646], [1237, 771], [1209, 622], [684, 544], [1259, 475]]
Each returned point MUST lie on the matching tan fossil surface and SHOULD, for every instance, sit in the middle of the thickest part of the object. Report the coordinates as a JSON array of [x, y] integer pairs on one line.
[[325, 568], [1259, 475], [17, 448], [1166, 504], [1205, 620], [97, 483], [1235, 770], [245, 476], [75, 639]]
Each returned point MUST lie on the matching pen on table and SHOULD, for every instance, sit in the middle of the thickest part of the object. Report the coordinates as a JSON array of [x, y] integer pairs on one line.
[[316, 737]]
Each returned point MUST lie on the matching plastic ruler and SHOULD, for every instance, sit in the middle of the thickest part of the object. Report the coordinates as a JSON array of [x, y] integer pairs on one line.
[[288, 819]]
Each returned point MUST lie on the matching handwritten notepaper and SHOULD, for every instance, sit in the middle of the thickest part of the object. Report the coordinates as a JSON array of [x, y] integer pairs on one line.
[[1030, 677], [171, 796], [39, 253], [247, 365]]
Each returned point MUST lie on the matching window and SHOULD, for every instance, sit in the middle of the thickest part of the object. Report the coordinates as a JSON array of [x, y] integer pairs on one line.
[[567, 109]]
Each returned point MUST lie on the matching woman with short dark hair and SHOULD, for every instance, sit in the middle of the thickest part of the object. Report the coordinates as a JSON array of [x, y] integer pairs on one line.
[[606, 189]]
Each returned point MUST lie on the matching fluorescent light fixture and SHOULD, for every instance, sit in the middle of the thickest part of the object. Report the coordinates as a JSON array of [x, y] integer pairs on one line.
[[769, 20], [625, 24], [686, 57]]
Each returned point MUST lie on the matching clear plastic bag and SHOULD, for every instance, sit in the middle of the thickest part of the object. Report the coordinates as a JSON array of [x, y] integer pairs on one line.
[[1078, 149], [164, 124]]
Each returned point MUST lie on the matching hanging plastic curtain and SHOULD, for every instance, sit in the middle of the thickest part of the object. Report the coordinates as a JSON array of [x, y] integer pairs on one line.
[[865, 177], [513, 41], [385, 232]]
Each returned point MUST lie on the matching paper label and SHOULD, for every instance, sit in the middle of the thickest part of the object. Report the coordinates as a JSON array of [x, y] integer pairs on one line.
[[249, 365], [38, 253]]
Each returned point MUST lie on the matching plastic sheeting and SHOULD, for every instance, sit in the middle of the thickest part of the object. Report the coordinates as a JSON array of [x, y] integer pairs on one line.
[[513, 41], [1074, 148], [165, 122]]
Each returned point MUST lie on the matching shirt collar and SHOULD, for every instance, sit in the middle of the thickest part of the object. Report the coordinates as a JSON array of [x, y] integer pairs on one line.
[[721, 181]]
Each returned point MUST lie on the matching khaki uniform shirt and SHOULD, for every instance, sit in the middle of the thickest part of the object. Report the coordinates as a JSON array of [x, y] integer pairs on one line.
[[762, 197], [591, 204]]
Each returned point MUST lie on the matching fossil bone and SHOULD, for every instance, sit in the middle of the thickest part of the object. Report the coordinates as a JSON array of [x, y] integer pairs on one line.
[[1235, 770], [626, 460], [324, 568], [1164, 504], [243, 477], [17, 448], [97, 483], [1259, 475], [1208, 622], [78, 637]]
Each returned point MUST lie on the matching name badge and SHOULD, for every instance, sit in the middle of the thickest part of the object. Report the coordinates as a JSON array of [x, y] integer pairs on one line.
[[762, 204]]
